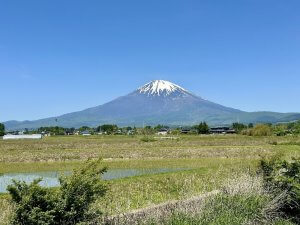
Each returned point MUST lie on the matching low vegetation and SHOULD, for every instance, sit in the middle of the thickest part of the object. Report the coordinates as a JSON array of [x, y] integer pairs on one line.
[[244, 200], [208, 162], [284, 176], [68, 204], [148, 139], [259, 130]]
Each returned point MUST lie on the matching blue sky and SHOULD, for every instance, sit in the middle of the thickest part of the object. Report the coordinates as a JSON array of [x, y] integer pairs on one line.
[[60, 56]]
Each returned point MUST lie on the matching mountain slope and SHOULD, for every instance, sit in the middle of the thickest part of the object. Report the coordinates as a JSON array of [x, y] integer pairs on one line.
[[156, 102]]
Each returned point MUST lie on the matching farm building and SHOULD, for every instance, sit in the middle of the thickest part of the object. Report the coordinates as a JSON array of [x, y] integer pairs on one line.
[[85, 133], [23, 136], [185, 130], [221, 130]]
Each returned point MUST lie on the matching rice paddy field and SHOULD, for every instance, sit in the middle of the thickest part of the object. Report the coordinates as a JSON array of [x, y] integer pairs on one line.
[[199, 164]]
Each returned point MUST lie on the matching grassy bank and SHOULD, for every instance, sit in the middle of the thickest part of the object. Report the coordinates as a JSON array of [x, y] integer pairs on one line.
[[243, 200]]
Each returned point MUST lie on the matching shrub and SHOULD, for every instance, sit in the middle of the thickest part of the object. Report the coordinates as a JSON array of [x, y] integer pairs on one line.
[[69, 204], [284, 176], [259, 130]]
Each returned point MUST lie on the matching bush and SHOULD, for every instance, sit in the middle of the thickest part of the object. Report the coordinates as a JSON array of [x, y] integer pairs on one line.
[[259, 130], [69, 204], [284, 176]]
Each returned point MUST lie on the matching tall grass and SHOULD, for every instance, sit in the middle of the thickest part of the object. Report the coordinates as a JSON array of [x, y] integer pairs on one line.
[[6, 211], [243, 200]]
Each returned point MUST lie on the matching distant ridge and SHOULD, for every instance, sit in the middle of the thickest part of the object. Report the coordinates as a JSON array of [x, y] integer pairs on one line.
[[157, 102]]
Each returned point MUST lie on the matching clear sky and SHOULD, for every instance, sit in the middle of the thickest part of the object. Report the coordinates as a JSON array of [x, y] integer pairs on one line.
[[60, 56]]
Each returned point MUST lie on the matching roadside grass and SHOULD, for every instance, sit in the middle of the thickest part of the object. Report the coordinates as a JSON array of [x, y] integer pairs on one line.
[[223, 210], [233, 210], [243, 201]]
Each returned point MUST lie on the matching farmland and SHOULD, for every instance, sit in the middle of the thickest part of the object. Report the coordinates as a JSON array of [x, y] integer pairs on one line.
[[208, 162]]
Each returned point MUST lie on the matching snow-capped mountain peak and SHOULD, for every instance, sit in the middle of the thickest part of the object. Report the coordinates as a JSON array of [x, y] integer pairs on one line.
[[161, 88]]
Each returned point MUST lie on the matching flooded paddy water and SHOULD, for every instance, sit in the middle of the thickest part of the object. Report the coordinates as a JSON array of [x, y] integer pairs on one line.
[[51, 178]]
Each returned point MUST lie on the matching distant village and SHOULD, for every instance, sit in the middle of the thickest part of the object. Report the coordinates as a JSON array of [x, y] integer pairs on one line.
[[260, 129], [109, 129]]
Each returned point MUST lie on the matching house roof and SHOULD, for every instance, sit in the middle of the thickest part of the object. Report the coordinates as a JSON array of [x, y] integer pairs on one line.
[[85, 132]]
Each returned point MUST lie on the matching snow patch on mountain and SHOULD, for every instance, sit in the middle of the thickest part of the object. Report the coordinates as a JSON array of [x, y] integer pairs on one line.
[[161, 87]]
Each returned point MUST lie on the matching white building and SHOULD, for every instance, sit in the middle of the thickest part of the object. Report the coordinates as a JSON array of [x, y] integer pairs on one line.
[[23, 136], [163, 131], [85, 133]]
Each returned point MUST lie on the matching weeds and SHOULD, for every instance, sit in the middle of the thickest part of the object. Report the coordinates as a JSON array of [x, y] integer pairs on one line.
[[284, 176], [243, 200], [148, 139]]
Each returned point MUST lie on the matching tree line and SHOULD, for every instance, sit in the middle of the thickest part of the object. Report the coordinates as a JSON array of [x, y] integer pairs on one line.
[[250, 129]]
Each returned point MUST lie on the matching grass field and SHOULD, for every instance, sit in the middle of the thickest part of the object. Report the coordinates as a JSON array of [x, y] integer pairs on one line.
[[209, 161]]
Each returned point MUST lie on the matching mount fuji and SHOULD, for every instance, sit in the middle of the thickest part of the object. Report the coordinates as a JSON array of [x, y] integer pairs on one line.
[[157, 102]]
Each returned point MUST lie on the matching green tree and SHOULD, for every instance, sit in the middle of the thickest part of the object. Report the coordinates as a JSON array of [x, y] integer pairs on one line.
[[52, 130], [238, 127], [147, 130], [107, 128], [2, 129], [69, 204], [84, 128], [202, 128], [280, 129], [250, 125]]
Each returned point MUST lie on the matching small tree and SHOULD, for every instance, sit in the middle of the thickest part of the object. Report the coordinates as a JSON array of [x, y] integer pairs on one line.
[[238, 127], [69, 204], [2, 129], [107, 128], [202, 128]]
